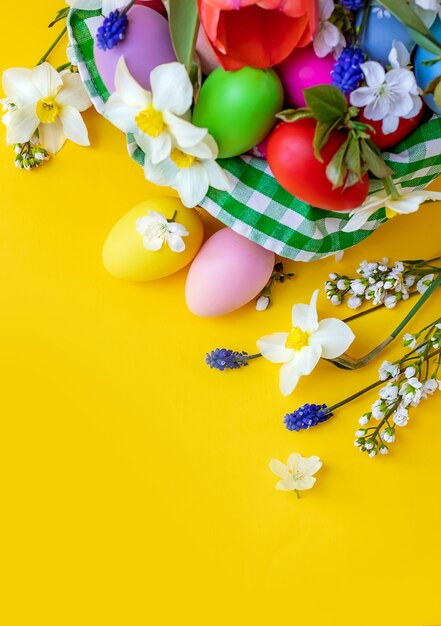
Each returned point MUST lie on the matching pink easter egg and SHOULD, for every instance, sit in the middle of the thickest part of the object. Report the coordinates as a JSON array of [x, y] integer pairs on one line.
[[156, 5], [146, 45], [303, 69], [227, 273]]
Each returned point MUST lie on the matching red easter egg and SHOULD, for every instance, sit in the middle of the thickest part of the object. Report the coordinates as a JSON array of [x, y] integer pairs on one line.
[[405, 127]]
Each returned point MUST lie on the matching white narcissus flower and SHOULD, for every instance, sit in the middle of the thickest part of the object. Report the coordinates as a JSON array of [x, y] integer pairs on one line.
[[48, 101], [328, 38], [300, 350], [429, 5], [106, 6], [391, 95], [157, 232], [156, 117], [298, 472], [405, 204], [190, 171]]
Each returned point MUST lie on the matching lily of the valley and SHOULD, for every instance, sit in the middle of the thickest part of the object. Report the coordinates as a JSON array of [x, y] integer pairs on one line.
[[157, 232], [405, 203], [190, 171], [391, 95], [44, 100], [301, 348], [156, 118], [106, 6], [298, 472]]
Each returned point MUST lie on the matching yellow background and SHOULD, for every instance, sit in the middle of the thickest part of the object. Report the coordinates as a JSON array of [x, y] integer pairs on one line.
[[135, 486]]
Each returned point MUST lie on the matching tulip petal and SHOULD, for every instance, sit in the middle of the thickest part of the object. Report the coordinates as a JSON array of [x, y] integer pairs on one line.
[[334, 337], [22, 124], [272, 347], [171, 88]]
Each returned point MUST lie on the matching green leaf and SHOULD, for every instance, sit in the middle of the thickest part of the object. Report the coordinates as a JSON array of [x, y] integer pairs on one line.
[[61, 15], [437, 94], [184, 25], [292, 115], [327, 103], [322, 133], [431, 87], [422, 35], [374, 160], [336, 170], [353, 160]]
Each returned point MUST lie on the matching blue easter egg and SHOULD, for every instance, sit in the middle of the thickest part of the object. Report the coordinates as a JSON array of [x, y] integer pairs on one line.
[[426, 73], [380, 31]]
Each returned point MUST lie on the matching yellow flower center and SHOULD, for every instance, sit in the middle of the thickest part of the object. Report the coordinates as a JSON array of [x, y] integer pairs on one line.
[[47, 110], [182, 160], [297, 339], [150, 121], [390, 213]]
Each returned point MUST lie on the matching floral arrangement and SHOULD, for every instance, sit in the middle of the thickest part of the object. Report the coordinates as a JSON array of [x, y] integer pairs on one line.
[[296, 127]]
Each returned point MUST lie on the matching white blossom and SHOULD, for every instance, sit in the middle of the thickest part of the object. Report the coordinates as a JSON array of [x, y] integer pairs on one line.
[[328, 37], [298, 472], [157, 232], [424, 283], [389, 370]]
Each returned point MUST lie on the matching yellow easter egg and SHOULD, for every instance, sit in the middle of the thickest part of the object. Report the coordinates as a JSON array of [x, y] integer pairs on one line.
[[153, 240]]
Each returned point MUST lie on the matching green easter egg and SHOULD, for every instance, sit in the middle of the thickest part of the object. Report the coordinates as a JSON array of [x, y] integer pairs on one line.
[[125, 256], [239, 108]]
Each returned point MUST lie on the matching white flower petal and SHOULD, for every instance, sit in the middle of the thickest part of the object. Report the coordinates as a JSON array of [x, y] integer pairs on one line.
[[307, 358], [205, 149], [73, 92], [363, 96], [288, 377], [374, 73], [399, 55], [185, 133], [192, 185], [162, 174], [74, 127], [144, 223], [47, 80], [390, 124], [21, 124], [273, 348], [406, 204], [17, 85], [359, 217], [305, 315], [171, 88], [306, 482], [286, 485], [52, 136], [293, 461], [334, 337], [160, 147], [121, 114], [175, 242], [310, 465], [111, 5], [153, 242], [217, 177], [177, 229], [129, 89], [279, 469]]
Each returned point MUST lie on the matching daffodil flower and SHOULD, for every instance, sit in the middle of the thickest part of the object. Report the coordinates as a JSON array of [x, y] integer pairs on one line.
[[298, 472], [190, 171], [406, 203], [301, 349], [44, 100], [106, 6], [157, 232], [156, 117]]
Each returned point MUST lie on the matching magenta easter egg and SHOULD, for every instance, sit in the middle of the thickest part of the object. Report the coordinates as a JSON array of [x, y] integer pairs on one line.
[[146, 45], [301, 70], [228, 272]]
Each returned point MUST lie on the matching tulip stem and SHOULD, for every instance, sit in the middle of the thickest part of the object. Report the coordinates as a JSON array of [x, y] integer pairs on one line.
[[390, 188], [51, 48]]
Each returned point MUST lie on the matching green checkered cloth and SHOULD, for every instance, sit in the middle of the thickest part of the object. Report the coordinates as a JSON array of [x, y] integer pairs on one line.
[[257, 206]]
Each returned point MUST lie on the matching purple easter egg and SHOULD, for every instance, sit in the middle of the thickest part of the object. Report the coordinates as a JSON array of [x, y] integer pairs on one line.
[[146, 45], [303, 69]]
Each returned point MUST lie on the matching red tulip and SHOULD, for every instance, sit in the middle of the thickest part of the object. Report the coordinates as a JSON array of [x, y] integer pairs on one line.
[[258, 33]]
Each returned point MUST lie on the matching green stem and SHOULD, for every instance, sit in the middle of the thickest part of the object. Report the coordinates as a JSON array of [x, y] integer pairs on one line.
[[390, 187], [170, 221], [49, 50], [127, 7], [65, 66], [435, 284], [252, 356], [364, 21], [298, 494]]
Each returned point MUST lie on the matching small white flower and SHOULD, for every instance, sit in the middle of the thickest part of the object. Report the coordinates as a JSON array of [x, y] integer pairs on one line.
[[389, 393], [429, 388], [401, 417], [364, 419], [157, 232], [155, 117], [106, 6], [328, 37], [384, 449], [411, 392], [369, 445], [190, 171], [301, 349], [424, 283], [336, 300], [372, 453], [409, 341], [410, 372], [388, 435], [46, 101], [354, 303], [298, 472], [358, 287], [342, 284], [262, 303], [389, 370], [379, 409], [360, 432], [388, 96], [405, 204], [390, 301]]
